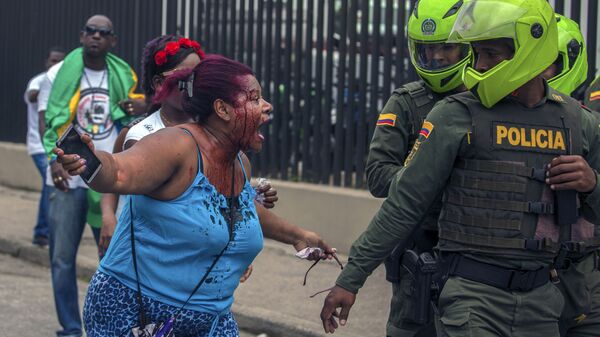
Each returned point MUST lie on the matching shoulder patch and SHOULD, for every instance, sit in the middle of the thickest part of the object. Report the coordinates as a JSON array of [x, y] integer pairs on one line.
[[386, 119], [595, 95], [558, 98], [426, 129]]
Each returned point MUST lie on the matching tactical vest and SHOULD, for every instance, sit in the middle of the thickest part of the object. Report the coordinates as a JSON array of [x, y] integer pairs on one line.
[[496, 200], [418, 102]]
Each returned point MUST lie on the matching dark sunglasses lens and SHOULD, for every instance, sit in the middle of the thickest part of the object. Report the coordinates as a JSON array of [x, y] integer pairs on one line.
[[92, 30]]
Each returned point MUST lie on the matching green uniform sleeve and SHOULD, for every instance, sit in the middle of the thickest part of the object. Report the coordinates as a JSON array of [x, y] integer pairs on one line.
[[388, 148], [412, 191], [590, 123]]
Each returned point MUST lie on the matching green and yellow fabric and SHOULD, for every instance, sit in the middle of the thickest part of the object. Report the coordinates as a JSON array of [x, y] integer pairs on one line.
[[62, 103]]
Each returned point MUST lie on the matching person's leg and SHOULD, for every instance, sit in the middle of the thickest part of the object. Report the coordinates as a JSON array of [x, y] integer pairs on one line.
[[588, 324], [227, 327], [40, 231], [66, 217], [110, 308], [469, 308]]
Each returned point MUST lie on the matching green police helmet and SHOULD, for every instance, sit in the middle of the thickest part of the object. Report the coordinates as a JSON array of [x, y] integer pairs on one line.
[[530, 24], [438, 63], [571, 64]]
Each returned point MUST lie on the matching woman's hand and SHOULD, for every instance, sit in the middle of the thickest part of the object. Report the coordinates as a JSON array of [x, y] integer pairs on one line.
[[60, 177], [312, 239], [133, 106], [73, 163], [109, 222], [269, 195], [265, 193]]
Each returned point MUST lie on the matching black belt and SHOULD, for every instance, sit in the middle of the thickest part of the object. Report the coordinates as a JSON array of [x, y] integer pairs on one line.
[[499, 277]]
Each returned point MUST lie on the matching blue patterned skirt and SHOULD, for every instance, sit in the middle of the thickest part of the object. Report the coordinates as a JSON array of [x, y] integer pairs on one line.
[[111, 310]]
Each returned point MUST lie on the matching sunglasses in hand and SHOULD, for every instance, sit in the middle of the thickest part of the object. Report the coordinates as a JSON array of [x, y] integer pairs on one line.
[[316, 253]]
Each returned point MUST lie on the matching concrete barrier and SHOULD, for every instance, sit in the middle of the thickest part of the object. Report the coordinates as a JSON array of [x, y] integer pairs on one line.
[[339, 215], [17, 168]]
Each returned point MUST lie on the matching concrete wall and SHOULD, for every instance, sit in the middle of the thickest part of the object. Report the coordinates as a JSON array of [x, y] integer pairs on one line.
[[339, 215], [17, 168]]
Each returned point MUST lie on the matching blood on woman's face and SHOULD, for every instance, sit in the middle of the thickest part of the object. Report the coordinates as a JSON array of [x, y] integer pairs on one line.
[[251, 112]]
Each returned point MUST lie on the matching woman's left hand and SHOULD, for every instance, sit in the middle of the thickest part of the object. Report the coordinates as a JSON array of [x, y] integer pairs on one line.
[[312, 239]]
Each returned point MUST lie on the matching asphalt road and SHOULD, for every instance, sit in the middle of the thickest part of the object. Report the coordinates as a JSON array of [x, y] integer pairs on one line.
[[27, 306]]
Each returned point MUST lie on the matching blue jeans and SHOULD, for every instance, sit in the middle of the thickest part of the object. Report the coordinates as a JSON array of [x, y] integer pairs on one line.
[[66, 219], [41, 227]]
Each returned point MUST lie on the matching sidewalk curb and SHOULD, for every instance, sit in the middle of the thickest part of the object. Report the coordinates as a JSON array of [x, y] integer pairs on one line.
[[252, 319]]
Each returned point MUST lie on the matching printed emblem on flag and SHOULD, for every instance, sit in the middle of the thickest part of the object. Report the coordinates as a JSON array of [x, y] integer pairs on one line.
[[426, 129], [386, 119], [595, 95]]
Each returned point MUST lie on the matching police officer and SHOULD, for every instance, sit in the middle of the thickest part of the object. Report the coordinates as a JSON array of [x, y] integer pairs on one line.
[[569, 71], [500, 153], [578, 274], [440, 66]]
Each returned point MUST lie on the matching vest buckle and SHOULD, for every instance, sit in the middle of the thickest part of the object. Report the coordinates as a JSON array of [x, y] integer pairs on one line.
[[574, 246], [538, 174], [532, 244]]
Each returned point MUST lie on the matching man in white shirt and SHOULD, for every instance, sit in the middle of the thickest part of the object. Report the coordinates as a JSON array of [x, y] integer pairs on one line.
[[35, 147], [84, 90]]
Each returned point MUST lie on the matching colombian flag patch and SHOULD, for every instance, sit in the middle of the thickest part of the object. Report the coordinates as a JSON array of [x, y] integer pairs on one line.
[[426, 129], [386, 119], [595, 96]]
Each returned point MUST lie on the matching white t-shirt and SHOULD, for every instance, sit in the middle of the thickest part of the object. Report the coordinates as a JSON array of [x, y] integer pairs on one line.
[[147, 126], [34, 142], [92, 112]]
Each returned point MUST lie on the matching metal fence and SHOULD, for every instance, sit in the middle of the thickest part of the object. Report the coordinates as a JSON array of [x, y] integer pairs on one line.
[[327, 66]]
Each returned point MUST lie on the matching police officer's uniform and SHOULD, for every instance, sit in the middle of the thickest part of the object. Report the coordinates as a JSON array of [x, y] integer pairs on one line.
[[397, 130], [497, 231]]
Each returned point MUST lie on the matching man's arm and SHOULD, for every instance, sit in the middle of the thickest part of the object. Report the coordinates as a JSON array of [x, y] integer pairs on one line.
[[388, 147], [32, 96], [591, 131], [411, 193]]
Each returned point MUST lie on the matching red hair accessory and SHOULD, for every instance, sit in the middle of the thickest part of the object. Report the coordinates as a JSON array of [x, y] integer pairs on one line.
[[160, 57], [173, 47]]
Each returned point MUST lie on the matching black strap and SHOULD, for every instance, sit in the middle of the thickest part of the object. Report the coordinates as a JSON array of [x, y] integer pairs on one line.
[[486, 184], [142, 316], [496, 276], [231, 218], [536, 207], [482, 222], [544, 244], [417, 91], [502, 167]]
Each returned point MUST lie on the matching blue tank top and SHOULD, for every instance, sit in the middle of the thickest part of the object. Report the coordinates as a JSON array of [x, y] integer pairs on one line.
[[177, 241]]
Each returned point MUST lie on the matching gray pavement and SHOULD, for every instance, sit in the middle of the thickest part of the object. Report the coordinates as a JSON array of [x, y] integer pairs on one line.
[[272, 301]]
